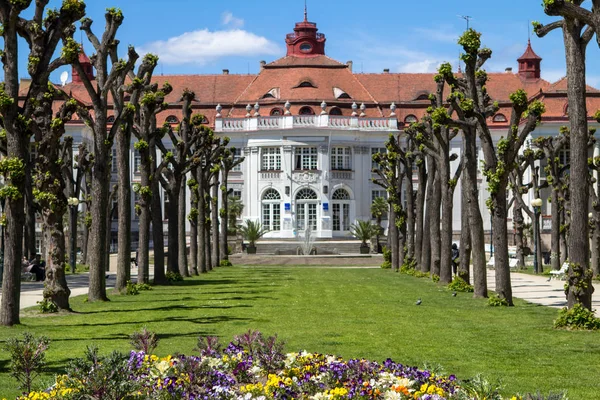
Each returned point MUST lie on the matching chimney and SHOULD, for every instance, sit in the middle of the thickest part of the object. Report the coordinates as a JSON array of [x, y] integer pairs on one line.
[[508, 70], [349, 64], [225, 72], [262, 64], [386, 71]]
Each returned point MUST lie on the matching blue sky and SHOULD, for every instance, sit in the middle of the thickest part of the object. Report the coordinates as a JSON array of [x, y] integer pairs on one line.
[[200, 37]]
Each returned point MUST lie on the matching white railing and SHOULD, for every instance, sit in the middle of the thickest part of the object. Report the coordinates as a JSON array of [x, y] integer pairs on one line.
[[305, 121], [345, 175], [269, 122], [270, 175]]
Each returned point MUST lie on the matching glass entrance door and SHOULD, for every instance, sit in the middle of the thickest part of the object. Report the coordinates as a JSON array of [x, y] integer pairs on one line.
[[306, 215]]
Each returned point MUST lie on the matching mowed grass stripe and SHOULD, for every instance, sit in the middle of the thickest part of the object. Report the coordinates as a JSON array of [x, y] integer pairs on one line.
[[368, 313]]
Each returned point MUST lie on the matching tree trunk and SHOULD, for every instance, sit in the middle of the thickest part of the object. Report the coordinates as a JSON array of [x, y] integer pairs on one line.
[[98, 239], [564, 248], [123, 144], [181, 236], [214, 220], [596, 246], [393, 239], [157, 232], [173, 225], [464, 270], [224, 226], [410, 219], [193, 218], [29, 249], [500, 243], [447, 192], [470, 187], [420, 212], [578, 240], [555, 235], [519, 229], [434, 226], [201, 222], [426, 245], [55, 285], [207, 238]]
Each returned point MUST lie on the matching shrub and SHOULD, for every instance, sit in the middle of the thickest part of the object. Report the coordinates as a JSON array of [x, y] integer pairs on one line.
[[577, 317], [481, 388], [459, 285], [133, 289], [47, 306], [435, 278], [225, 263], [27, 358], [173, 276], [144, 340], [497, 301], [387, 258]]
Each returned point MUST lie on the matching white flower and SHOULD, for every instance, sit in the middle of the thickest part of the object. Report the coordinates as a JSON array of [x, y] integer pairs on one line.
[[391, 395]]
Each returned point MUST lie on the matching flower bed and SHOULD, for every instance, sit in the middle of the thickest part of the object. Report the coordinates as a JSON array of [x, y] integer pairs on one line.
[[244, 372]]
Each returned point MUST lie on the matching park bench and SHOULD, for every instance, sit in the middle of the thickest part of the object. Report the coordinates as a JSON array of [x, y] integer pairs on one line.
[[561, 273], [27, 276]]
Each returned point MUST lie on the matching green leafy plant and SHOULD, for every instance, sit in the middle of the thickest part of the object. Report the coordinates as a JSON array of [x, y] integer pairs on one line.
[[27, 358], [133, 289], [497, 301], [363, 230], [387, 258], [481, 388], [459, 285], [435, 278], [252, 231], [173, 276], [578, 317], [225, 263], [47, 307], [144, 340]]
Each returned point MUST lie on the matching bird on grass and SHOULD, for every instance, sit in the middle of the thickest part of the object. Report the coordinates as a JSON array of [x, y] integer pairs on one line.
[[454, 294], [418, 303]]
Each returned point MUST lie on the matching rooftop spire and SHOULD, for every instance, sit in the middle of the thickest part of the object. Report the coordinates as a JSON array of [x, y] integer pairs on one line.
[[305, 12]]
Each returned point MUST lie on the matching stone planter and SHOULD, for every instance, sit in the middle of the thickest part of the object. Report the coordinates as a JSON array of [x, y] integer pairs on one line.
[[251, 249], [365, 249]]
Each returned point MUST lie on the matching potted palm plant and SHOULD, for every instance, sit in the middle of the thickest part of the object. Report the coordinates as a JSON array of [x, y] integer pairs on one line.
[[363, 230], [252, 231]]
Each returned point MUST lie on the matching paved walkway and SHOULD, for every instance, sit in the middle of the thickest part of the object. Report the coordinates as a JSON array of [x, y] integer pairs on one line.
[[532, 288]]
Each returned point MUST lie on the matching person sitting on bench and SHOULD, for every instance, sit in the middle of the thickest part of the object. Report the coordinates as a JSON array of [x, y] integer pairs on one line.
[[38, 267]]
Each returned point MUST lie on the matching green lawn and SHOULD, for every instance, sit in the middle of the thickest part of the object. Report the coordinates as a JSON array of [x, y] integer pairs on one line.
[[349, 312]]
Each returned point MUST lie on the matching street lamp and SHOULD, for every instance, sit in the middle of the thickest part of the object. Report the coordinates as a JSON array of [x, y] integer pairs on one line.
[[73, 203], [537, 204]]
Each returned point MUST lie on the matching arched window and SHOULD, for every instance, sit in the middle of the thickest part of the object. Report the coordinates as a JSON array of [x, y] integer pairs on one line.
[[306, 209], [271, 210], [110, 119], [341, 194], [340, 208], [171, 119], [499, 118], [335, 111], [422, 96], [306, 194], [410, 119], [306, 111], [276, 112]]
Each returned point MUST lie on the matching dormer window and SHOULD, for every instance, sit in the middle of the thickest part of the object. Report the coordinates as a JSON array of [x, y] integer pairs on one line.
[[306, 84], [171, 119], [271, 94], [340, 94], [422, 96], [306, 111], [335, 111], [499, 118], [110, 119], [276, 112]]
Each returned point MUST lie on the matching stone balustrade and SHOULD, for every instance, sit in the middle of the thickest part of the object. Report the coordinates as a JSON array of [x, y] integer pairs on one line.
[[305, 121]]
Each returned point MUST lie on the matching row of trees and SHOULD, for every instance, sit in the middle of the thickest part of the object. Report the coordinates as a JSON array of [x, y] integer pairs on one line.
[[465, 110], [135, 100]]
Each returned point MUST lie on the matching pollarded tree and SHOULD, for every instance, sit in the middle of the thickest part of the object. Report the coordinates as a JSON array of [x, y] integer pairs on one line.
[[390, 177], [49, 190], [192, 184], [555, 176], [379, 208], [579, 25], [472, 104], [228, 163], [109, 71], [172, 179], [42, 36], [434, 138]]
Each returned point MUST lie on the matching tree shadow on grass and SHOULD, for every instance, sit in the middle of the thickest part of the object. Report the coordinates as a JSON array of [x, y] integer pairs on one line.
[[165, 308], [184, 318]]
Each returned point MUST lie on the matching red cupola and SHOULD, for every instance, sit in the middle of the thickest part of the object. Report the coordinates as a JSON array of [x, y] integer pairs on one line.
[[86, 64], [529, 64], [305, 41]]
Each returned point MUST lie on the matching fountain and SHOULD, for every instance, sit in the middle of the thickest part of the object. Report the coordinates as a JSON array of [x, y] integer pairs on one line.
[[307, 243]]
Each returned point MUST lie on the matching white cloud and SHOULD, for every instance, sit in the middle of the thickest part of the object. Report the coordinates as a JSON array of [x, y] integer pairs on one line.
[[420, 66], [228, 19], [203, 46]]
